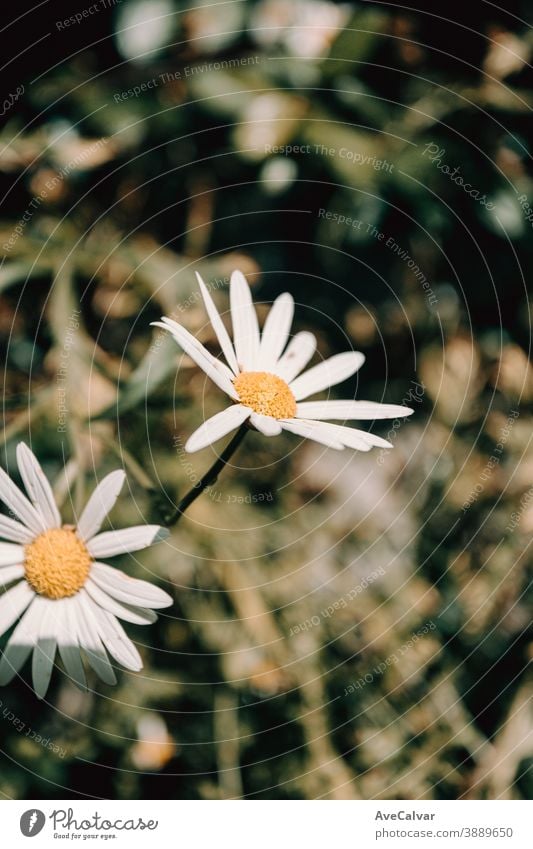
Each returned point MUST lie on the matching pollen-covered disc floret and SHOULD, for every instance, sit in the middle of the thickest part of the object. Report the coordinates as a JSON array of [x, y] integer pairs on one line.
[[57, 563], [266, 394]]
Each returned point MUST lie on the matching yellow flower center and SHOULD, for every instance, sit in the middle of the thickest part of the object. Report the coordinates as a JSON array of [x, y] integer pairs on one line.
[[57, 563], [266, 394]]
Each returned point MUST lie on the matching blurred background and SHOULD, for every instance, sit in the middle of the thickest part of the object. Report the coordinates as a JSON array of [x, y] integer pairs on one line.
[[345, 625]]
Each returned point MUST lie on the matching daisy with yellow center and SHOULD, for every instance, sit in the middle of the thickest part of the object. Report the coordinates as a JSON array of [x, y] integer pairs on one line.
[[263, 377], [69, 601]]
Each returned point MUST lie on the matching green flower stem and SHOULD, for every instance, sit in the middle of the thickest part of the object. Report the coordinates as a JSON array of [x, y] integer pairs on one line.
[[209, 478]]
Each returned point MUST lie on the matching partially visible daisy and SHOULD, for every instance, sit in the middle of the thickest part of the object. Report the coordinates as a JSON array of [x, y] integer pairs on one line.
[[263, 377], [71, 601]]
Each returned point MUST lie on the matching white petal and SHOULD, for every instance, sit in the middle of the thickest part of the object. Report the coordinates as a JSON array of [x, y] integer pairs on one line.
[[90, 639], [13, 603], [10, 573], [194, 348], [219, 327], [130, 590], [312, 430], [10, 554], [20, 506], [346, 436], [360, 410], [299, 351], [14, 531], [37, 486], [334, 370], [110, 543], [373, 439], [354, 438], [117, 642], [266, 425], [45, 651], [217, 371], [71, 657], [370, 438], [21, 642], [276, 332], [217, 426], [100, 504], [244, 320], [135, 615], [69, 649], [351, 437]]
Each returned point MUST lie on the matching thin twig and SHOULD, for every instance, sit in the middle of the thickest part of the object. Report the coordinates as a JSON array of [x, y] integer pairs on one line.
[[227, 737], [26, 416]]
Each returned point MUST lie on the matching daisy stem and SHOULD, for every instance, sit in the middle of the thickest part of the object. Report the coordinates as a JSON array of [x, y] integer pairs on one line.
[[209, 478]]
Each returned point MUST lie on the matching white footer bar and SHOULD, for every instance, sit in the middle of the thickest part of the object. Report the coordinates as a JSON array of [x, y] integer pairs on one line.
[[268, 824]]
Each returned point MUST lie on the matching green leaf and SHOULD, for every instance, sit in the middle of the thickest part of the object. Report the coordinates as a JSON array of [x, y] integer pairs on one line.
[[157, 364]]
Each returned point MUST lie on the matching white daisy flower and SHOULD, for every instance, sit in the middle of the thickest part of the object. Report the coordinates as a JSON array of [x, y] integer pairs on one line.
[[263, 377], [71, 601]]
